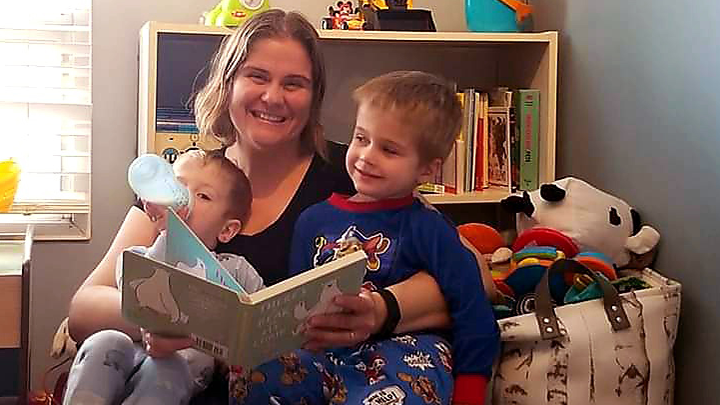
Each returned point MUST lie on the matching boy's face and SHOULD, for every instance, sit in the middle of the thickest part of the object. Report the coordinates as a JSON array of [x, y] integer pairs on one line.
[[383, 159], [210, 192]]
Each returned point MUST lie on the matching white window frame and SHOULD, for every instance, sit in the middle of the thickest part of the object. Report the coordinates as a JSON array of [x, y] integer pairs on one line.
[[52, 219]]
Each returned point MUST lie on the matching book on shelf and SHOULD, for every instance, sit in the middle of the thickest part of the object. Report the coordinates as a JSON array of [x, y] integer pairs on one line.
[[514, 150], [469, 126], [452, 174], [481, 141], [499, 139], [527, 106], [191, 294]]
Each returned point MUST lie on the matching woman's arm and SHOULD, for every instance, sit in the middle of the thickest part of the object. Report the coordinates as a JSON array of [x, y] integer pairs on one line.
[[96, 304], [485, 275], [421, 303]]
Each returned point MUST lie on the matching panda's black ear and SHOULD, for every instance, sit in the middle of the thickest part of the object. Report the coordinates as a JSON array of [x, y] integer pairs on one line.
[[636, 221], [517, 204], [551, 193]]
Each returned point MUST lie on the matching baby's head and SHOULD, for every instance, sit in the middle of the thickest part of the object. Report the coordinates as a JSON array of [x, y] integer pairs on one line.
[[221, 195], [406, 126]]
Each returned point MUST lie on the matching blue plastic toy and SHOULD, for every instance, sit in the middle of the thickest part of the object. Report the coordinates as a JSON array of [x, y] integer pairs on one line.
[[497, 15]]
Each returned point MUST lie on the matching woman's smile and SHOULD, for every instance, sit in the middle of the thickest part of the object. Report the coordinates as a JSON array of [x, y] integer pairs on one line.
[[268, 117]]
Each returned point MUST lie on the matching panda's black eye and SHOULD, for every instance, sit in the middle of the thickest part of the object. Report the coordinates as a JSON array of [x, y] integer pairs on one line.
[[614, 217]]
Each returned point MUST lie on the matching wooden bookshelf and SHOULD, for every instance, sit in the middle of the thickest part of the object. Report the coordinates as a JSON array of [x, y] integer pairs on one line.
[[479, 60]]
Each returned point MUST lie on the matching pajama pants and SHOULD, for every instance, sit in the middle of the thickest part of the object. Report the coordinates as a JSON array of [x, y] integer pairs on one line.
[[406, 369], [110, 369]]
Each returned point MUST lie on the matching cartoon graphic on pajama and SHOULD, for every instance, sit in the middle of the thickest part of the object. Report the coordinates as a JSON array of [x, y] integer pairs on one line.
[[154, 293], [392, 395]]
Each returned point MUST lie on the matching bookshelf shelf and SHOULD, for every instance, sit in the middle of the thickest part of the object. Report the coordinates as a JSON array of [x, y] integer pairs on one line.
[[489, 195], [440, 37], [477, 60]]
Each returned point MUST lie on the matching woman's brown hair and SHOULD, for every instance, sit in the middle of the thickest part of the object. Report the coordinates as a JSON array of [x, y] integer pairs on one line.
[[211, 103]]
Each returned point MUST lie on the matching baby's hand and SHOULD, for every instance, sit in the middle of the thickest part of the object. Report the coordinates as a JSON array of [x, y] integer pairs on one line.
[[158, 214], [162, 346]]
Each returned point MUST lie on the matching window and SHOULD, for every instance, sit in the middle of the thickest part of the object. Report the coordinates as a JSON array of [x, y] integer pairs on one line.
[[45, 111]]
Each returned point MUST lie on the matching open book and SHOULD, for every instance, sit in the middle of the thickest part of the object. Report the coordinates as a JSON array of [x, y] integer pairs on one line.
[[191, 294]]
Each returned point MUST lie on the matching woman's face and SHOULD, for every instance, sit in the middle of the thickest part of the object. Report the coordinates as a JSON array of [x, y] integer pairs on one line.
[[272, 93]]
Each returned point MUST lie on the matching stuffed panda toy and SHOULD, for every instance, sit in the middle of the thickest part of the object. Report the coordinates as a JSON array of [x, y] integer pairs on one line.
[[574, 216]]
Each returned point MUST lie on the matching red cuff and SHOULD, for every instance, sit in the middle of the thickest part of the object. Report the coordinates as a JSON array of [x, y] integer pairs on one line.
[[469, 389]]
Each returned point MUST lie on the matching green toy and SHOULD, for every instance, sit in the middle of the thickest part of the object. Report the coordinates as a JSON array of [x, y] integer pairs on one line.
[[232, 13]]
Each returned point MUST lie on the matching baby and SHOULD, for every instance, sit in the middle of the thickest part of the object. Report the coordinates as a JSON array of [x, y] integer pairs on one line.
[[110, 367]]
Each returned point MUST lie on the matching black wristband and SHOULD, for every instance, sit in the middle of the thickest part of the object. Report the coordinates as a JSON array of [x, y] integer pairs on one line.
[[393, 315]]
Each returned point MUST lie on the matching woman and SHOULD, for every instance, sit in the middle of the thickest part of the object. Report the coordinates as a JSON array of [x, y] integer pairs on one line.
[[263, 101]]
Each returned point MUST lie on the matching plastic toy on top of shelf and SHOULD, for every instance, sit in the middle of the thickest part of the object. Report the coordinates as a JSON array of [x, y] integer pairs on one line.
[[391, 15], [498, 15], [343, 17], [232, 13]]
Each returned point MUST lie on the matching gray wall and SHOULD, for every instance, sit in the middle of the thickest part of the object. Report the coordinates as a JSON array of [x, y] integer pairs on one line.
[[638, 117], [638, 89]]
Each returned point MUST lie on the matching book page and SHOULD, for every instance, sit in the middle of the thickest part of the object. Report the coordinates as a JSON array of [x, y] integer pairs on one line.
[[186, 252], [277, 320]]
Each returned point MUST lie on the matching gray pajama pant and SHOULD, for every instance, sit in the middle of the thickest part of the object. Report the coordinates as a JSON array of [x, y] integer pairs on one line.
[[111, 369]]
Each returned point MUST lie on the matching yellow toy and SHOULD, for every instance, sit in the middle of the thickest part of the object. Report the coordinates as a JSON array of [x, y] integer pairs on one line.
[[232, 13], [381, 4], [9, 179]]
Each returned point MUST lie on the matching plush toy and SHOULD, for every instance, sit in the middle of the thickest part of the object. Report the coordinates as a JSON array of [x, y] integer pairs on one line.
[[574, 216], [63, 344], [232, 13], [571, 219]]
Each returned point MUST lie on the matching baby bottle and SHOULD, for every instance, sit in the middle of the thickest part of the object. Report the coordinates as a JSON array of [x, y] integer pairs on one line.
[[153, 180]]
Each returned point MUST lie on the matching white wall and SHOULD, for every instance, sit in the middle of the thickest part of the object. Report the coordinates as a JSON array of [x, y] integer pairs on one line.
[[59, 268]]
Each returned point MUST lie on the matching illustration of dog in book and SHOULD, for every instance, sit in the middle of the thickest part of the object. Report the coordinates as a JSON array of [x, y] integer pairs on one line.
[[154, 292], [324, 305]]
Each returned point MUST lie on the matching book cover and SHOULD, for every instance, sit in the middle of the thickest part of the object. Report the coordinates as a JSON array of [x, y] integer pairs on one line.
[[514, 150], [236, 327], [499, 147], [453, 169], [469, 129], [481, 142], [499, 138], [528, 117]]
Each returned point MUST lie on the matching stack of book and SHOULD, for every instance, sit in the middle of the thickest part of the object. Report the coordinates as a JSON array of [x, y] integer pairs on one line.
[[497, 145]]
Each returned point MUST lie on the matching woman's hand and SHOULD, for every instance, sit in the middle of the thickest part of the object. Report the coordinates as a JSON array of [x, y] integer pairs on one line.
[[163, 346], [361, 316]]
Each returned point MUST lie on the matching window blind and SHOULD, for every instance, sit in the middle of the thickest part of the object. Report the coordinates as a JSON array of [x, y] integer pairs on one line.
[[45, 102]]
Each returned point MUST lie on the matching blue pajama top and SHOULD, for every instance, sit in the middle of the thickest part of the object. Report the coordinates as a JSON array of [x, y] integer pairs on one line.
[[400, 237]]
